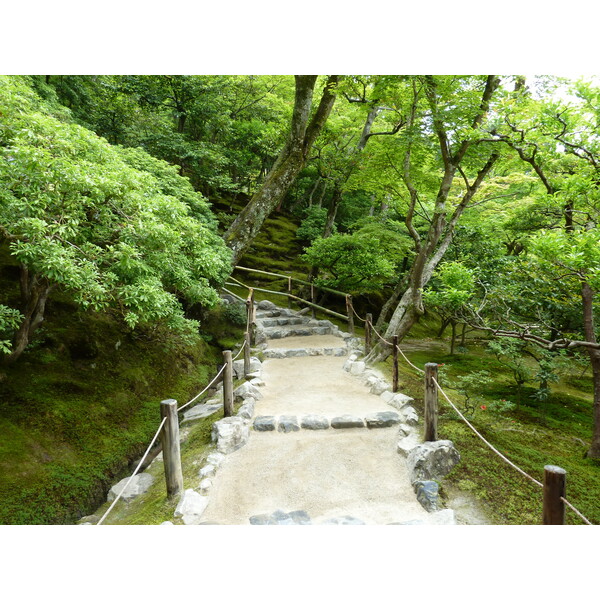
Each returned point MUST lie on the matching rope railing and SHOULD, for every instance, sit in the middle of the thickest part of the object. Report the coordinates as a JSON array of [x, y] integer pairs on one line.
[[494, 449], [204, 390], [134, 472]]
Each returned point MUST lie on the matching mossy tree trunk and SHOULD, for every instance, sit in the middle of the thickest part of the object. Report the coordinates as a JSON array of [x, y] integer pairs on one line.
[[431, 247], [291, 160]]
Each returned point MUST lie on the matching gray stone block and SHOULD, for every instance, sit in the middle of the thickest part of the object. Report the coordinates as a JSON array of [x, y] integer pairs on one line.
[[139, 484], [230, 434], [288, 423], [427, 494], [314, 422], [431, 460], [382, 419], [264, 424], [346, 422]]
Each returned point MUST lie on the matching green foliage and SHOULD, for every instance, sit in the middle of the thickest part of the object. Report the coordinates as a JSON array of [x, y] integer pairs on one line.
[[138, 240], [313, 224], [354, 263], [451, 290], [236, 313], [9, 321]]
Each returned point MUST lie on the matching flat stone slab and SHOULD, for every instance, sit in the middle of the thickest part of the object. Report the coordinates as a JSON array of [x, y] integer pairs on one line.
[[288, 423], [347, 422], [279, 517], [314, 422], [266, 423], [139, 484], [382, 419]]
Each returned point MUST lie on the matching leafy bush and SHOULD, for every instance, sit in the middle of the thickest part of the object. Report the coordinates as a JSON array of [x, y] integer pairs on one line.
[[313, 224]]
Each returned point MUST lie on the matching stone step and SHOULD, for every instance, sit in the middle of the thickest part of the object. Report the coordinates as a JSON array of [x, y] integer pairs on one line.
[[293, 330], [281, 321], [293, 352], [288, 423]]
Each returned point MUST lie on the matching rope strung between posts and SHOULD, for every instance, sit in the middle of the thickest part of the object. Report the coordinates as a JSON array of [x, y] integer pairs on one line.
[[408, 361], [381, 338], [535, 481], [134, 473], [484, 440], [357, 315], [241, 350], [204, 390], [586, 521]]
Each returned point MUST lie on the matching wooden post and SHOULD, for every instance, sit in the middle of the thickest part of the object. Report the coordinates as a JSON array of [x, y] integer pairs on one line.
[[251, 319], [431, 402], [312, 299], [350, 313], [395, 364], [368, 325], [555, 483], [228, 384], [170, 448], [246, 354], [289, 292]]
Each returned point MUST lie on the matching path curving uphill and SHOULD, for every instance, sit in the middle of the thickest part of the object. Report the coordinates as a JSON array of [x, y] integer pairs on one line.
[[325, 437]]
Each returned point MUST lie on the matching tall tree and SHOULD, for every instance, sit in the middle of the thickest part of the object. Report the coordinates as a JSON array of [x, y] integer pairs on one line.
[[454, 115], [304, 130]]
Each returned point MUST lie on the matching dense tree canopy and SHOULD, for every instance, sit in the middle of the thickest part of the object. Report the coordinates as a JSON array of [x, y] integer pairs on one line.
[[476, 198], [115, 228]]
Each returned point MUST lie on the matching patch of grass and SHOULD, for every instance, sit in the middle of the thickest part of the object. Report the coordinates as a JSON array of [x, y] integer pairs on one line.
[[74, 424], [532, 436]]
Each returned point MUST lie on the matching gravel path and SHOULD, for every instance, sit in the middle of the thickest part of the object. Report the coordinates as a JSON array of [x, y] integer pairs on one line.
[[327, 474]]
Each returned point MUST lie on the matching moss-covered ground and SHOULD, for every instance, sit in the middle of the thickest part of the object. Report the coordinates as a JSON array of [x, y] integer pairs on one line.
[[531, 435]]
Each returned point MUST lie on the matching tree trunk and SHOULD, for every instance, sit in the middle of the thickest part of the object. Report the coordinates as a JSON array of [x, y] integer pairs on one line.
[[587, 298], [34, 294], [288, 165], [332, 211], [453, 341]]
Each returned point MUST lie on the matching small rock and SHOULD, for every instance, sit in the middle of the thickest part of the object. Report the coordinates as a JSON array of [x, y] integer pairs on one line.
[[346, 422], [432, 460], [357, 368], [382, 419], [167, 523], [257, 382], [201, 411], [266, 305], [406, 444], [247, 390], [264, 424], [215, 458], [297, 517], [247, 409], [398, 401], [230, 434], [191, 506], [205, 485], [139, 484], [288, 423], [379, 386], [206, 471], [314, 422], [409, 415], [404, 430], [427, 494]]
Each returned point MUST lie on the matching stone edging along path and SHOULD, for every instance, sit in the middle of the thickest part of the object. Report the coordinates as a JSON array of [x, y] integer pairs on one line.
[[427, 462]]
